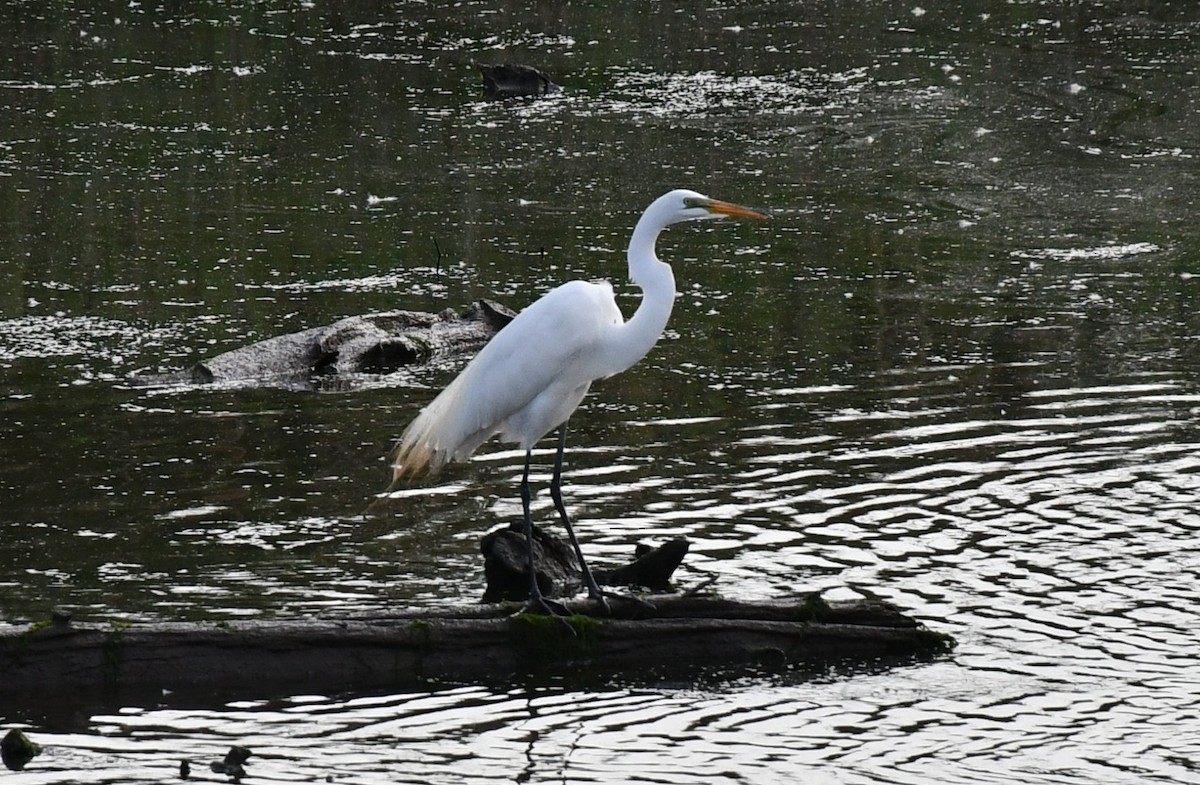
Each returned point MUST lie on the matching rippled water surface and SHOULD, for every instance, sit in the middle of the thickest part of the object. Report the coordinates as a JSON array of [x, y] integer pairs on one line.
[[957, 370]]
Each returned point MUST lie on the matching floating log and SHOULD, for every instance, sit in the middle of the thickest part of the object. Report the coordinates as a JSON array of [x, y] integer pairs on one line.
[[372, 343], [664, 636]]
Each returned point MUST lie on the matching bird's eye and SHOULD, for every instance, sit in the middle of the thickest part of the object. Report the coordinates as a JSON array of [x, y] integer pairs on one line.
[[691, 201]]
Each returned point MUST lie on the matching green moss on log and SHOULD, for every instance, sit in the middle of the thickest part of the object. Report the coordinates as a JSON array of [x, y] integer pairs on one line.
[[551, 639]]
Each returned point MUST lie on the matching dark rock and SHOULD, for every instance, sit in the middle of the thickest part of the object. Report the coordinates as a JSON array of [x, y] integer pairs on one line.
[[651, 568], [234, 770], [505, 565], [509, 80], [16, 750], [237, 756], [234, 764]]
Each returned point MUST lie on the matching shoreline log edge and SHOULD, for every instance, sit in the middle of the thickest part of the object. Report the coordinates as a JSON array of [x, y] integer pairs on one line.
[[484, 644]]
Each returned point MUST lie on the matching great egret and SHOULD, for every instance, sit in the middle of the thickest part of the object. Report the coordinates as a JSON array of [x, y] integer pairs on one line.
[[532, 375]]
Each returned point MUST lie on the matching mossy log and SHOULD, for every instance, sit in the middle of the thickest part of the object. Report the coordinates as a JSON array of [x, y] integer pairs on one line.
[[657, 637]]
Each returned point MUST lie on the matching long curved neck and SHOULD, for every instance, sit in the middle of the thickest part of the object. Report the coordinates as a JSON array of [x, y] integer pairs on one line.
[[638, 335]]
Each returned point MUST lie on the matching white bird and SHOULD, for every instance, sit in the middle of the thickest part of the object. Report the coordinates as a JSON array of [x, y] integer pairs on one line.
[[533, 374]]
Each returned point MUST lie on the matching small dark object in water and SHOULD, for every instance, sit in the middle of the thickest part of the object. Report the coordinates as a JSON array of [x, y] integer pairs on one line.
[[16, 750], [234, 763], [237, 756], [508, 80], [235, 770]]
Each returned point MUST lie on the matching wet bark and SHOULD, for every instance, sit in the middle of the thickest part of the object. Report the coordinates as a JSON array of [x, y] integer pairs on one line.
[[658, 637]]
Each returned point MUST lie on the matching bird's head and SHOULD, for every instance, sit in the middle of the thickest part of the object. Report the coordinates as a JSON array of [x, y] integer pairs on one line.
[[684, 205]]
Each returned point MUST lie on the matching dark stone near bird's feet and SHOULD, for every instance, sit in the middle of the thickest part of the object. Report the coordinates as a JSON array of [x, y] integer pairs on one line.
[[558, 574], [16, 750], [505, 564], [510, 80], [375, 343]]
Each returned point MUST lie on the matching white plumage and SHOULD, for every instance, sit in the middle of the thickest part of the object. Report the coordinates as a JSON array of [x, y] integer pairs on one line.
[[526, 381], [533, 374]]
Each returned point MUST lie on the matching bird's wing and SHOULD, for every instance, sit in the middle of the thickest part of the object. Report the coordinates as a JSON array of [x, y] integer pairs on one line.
[[550, 344]]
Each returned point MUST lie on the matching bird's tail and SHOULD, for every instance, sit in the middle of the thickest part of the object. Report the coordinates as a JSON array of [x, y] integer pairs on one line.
[[419, 450], [411, 458], [407, 461], [439, 434]]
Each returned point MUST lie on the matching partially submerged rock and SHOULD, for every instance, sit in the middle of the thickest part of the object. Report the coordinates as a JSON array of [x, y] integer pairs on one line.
[[16, 750], [233, 764], [373, 343], [510, 80]]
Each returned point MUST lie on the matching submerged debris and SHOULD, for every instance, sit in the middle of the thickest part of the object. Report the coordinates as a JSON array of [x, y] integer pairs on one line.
[[509, 80], [233, 765]]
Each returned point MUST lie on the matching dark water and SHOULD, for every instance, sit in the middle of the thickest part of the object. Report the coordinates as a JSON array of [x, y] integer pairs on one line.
[[956, 371]]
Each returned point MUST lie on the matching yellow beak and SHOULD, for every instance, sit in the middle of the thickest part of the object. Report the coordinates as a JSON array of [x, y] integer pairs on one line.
[[733, 210]]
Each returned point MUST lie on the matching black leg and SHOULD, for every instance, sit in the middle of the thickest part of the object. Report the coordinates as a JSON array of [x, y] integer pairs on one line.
[[537, 603], [535, 592], [594, 591]]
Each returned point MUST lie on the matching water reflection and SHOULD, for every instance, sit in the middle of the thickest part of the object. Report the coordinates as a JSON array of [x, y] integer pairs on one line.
[[958, 373], [856, 728]]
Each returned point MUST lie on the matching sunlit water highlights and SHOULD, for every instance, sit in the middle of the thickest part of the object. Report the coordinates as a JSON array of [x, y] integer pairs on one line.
[[917, 724], [956, 370]]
